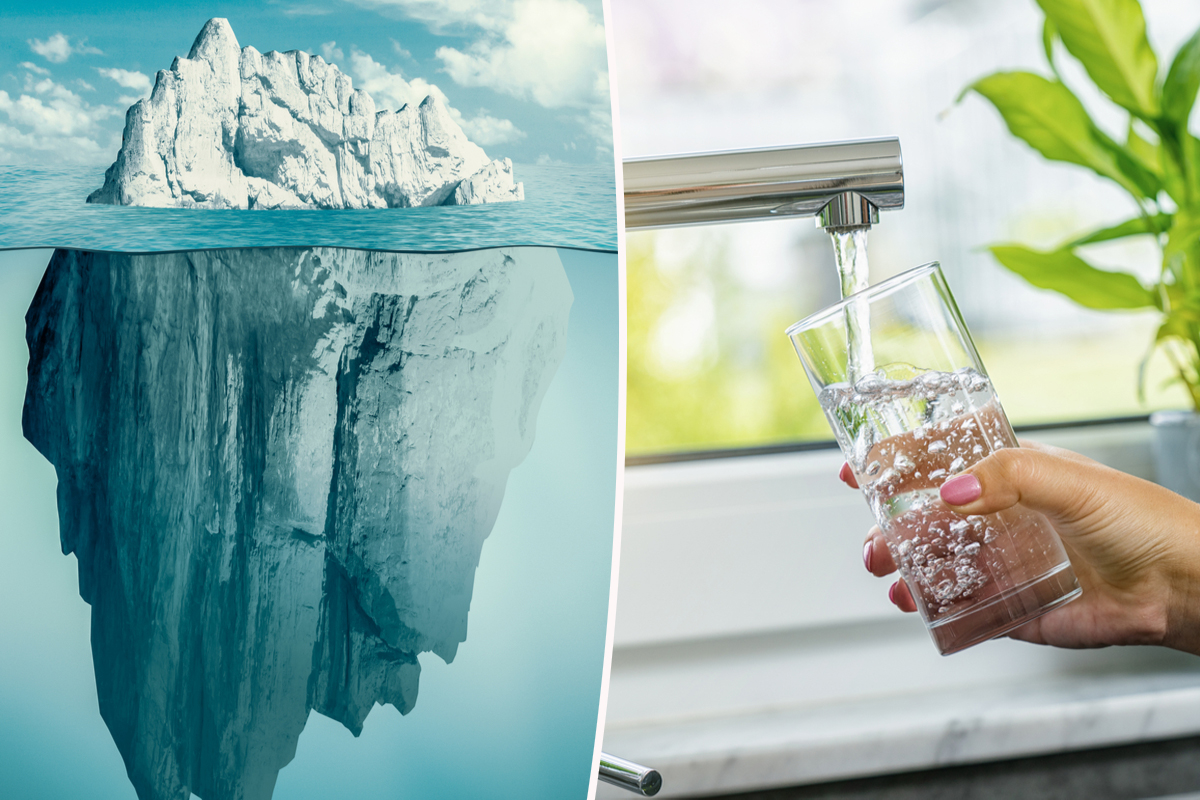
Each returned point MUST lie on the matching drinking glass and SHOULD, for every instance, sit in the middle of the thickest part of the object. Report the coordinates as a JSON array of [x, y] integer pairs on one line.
[[910, 402]]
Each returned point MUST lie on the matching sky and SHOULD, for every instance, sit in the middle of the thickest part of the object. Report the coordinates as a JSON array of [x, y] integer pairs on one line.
[[526, 79]]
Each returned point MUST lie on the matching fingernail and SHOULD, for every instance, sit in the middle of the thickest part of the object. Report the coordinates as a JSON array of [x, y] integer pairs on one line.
[[868, 553], [892, 592], [961, 489], [846, 474]]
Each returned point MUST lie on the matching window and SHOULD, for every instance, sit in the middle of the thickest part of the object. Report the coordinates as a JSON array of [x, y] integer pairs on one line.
[[709, 366]]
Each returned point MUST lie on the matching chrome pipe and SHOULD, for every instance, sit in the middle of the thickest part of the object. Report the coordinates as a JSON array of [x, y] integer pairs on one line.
[[628, 775], [844, 184]]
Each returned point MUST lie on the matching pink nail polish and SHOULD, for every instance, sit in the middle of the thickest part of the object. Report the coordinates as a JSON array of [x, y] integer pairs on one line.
[[961, 489], [892, 592], [868, 552], [845, 474]]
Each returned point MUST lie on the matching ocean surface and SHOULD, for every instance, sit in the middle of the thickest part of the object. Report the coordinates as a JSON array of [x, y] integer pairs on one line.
[[566, 206]]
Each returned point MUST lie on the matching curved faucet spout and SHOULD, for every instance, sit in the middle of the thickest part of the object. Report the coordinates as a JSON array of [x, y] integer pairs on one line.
[[846, 184]]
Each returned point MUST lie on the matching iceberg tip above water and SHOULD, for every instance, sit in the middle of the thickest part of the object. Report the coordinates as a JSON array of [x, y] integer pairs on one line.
[[230, 127]]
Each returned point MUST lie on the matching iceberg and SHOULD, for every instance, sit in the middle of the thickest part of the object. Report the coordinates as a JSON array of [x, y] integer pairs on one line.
[[230, 127], [277, 469]]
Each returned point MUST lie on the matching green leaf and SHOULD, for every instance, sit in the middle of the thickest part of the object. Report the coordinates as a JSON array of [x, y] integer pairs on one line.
[[1148, 182], [1066, 273], [1147, 152], [1183, 235], [1156, 223], [1182, 83], [1052, 120], [1048, 35], [1109, 39], [1177, 325], [1191, 156]]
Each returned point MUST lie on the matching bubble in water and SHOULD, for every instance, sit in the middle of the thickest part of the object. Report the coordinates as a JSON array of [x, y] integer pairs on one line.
[[870, 383], [976, 383], [942, 553]]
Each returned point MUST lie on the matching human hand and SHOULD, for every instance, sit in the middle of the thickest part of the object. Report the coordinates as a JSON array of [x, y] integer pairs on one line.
[[1134, 546]]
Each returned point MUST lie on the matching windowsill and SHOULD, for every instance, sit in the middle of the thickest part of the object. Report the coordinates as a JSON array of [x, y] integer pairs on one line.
[[753, 651]]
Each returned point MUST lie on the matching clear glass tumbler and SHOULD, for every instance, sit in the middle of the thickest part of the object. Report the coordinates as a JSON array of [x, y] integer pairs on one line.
[[911, 405]]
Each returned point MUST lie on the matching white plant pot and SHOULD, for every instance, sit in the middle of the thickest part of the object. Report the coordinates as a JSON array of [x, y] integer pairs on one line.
[[1177, 451]]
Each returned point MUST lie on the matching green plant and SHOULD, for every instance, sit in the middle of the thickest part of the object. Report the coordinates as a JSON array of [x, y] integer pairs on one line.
[[1158, 164]]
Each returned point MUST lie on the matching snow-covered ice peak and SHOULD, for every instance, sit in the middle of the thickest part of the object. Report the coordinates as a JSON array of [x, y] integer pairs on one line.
[[230, 127]]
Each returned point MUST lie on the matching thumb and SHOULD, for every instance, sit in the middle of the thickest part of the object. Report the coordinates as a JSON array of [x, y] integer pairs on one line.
[[1061, 488]]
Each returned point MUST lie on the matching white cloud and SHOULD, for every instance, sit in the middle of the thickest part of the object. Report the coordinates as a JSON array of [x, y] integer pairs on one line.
[[549, 51], [64, 113], [598, 122], [332, 52], [392, 91], [487, 130], [400, 51], [55, 120], [129, 79], [307, 11], [82, 84], [17, 146], [29, 65], [442, 14], [58, 48]]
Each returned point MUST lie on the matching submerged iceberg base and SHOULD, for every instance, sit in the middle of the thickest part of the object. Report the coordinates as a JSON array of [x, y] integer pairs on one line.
[[277, 469]]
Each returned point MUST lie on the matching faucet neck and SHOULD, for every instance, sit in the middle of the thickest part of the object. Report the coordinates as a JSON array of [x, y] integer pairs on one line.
[[847, 211]]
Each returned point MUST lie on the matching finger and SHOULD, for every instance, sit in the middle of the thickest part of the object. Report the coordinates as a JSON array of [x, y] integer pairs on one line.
[[877, 558], [1036, 479], [847, 476], [902, 597], [1042, 447]]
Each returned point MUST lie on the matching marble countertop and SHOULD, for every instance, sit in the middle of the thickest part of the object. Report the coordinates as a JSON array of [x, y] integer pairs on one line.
[[803, 745]]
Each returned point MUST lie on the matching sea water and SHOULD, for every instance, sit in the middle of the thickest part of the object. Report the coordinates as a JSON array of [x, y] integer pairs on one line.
[[566, 206], [905, 431], [244, 310]]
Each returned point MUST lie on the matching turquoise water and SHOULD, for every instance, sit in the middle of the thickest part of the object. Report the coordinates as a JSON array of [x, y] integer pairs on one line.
[[566, 206], [513, 715]]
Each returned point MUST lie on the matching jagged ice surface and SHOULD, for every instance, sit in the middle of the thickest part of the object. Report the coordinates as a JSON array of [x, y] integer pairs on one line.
[[277, 469], [230, 127]]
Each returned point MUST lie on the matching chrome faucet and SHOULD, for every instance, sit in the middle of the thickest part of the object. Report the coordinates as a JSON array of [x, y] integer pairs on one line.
[[843, 184], [628, 775]]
